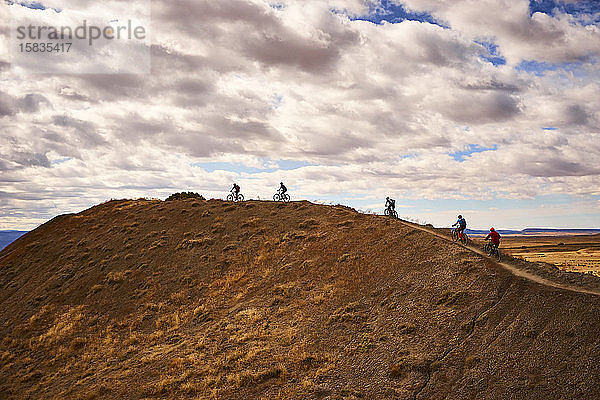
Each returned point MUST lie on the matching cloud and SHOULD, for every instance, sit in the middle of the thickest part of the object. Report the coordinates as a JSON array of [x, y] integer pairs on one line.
[[519, 35], [368, 109]]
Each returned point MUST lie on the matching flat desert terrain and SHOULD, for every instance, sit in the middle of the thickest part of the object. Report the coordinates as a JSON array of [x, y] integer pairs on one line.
[[570, 253]]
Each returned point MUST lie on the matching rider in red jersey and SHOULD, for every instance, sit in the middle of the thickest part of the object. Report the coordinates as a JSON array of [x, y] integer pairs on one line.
[[494, 237]]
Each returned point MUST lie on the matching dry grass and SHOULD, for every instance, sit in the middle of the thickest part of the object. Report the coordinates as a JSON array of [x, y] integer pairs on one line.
[[277, 310]]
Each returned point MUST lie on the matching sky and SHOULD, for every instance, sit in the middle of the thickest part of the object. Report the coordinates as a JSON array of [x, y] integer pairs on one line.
[[488, 108]]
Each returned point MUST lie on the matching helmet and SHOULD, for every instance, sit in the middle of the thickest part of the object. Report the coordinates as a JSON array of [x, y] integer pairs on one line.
[[492, 229], [460, 217], [281, 183], [387, 198]]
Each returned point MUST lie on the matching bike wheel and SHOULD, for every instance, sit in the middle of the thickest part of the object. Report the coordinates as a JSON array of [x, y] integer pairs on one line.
[[386, 212], [395, 214], [286, 198], [497, 255], [465, 239], [230, 197], [454, 235], [487, 249], [276, 197], [240, 197]]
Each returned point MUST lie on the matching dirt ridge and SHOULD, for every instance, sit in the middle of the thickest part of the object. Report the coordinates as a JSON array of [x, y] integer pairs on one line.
[[212, 300]]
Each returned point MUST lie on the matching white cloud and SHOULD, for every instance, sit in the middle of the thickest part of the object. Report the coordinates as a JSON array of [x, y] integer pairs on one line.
[[519, 35], [375, 108]]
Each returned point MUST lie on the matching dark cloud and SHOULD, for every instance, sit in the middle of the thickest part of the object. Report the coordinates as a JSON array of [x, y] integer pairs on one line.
[[576, 115], [492, 85], [111, 86], [480, 108], [554, 167], [7, 105], [27, 159], [291, 51], [31, 102], [84, 132], [198, 144]]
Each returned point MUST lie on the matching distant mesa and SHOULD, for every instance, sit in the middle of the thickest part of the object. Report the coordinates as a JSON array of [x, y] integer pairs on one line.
[[7, 237], [537, 232]]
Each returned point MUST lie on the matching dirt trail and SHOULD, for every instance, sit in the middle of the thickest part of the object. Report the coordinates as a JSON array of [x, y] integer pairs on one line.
[[511, 268]]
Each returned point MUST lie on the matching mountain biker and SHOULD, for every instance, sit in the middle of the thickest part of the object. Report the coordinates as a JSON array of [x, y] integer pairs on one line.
[[390, 204], [282, 188], [235, 190], [494, 238], [461, 225]]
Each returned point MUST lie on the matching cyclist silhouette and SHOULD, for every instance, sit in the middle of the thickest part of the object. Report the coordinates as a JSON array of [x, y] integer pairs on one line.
[[390, 204], [235, 190]]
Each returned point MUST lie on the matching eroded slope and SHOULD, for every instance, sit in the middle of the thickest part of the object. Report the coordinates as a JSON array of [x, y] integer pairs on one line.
[[206, 299]]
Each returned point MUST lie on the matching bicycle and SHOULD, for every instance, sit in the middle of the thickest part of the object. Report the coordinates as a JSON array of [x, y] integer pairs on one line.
[[234, 198], [390, 213], [490, 250], [463, 238], [279, 196]]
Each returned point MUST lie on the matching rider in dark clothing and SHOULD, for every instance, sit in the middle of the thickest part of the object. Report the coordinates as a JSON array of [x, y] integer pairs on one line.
[[235, 190], [390, 203], [282, 188]]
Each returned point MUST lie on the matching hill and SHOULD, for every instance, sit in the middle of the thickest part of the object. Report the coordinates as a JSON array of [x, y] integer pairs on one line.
[[208, 299]]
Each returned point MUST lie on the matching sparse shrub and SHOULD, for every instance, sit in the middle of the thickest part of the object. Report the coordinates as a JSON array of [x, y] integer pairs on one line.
[[117, 276], [412, 364], [458, 299], [248, 378], [406, 329], [64, 326], [471, 361], [217, 227], [191, 243], [77, 344], [293, 235], [346, 223], [96, 288], [185, 195], [308, 223], [365, 342], [157, 244], [251, 222], [231, 246], [349, 312]]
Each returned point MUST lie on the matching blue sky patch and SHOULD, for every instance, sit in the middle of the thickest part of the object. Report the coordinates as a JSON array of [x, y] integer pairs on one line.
[[395, 13], [34, 5], [492, 55], [586, 11], [277, 99], [62, 160], [539, 68], [550, 128], [471, 149]]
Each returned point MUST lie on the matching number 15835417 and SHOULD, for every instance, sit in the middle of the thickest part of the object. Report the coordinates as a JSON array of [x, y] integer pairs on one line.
[[45, 47]]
